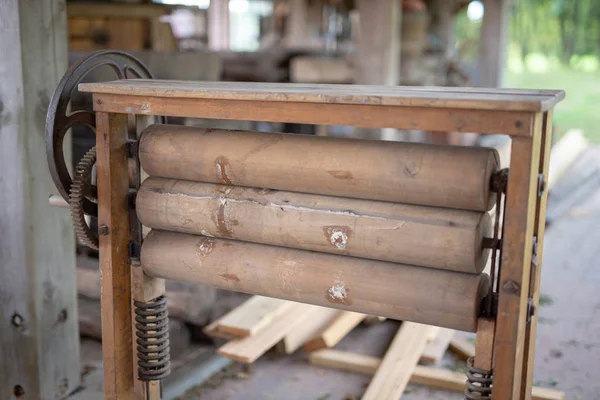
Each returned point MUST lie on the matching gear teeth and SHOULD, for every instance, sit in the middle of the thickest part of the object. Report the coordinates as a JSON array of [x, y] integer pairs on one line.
[[76, 197]]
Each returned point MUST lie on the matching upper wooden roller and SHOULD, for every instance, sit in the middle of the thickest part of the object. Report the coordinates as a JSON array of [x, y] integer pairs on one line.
[[441, 176], [401, 233]]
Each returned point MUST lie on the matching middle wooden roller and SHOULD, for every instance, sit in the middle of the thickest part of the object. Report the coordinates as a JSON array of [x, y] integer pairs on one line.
[[426, 236]]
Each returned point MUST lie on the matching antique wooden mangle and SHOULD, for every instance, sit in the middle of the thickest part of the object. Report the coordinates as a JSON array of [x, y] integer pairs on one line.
[[400, 230]]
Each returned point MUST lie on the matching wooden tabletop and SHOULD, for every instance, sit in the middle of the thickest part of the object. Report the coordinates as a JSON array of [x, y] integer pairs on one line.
[[400, 96]]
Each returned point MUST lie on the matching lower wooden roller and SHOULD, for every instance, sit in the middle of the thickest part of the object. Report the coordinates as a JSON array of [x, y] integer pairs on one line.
[[403, 292], [401, 233]]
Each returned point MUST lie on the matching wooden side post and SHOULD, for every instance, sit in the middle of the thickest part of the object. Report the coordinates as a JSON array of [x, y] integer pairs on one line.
[[39, 338], [539, 227], [144, 287], [521, 201], [113, 222]]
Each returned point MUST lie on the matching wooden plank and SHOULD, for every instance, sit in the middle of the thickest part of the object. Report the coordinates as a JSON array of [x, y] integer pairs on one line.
[[539, 230], [486, 99], [250, 317], [460, 346], [113, 186], [307, 328], [39, 339], [435, 350], [399, 362], [516, 123], [432, 377], [484, 344], [335, 331], [249, 349], [514, 279]]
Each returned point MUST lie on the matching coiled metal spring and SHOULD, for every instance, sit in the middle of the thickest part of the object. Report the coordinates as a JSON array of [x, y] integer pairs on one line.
[[152, 331], [479, 383]]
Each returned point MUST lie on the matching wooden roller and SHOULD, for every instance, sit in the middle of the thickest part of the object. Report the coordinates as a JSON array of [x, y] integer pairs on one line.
[[414, 173], [403, 292], [409, 234]]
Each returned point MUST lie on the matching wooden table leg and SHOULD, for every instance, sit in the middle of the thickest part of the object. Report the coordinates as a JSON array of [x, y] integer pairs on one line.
[[113, 222], [513, 289], [539, 227]]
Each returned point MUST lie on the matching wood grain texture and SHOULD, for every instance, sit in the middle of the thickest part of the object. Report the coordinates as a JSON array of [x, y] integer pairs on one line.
[[426, 236], [426, 295], [113, 186], [474, 99], [432, 377], [518, 123], [484, 344], [334, 331], [252, 316], [434, 351], [398, 364], [463, 348], [514, 279], [539, 230], [250, 348], [310, 326], [414, 173], [39, 337]]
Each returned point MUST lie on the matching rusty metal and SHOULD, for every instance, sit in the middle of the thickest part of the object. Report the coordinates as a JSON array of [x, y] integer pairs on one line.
[[479, 382], [59, 120], [499, 181], [152, 331], [81, 191]]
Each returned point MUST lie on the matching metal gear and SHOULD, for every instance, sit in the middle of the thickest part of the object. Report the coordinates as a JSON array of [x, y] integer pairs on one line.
[[80, 192]]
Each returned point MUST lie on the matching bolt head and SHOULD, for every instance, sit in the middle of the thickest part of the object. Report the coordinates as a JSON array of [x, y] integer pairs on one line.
[[103, 230], [17, 320]]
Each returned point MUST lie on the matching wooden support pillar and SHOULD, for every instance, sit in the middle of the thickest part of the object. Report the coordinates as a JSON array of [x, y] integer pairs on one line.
[[39, 338], [297, 25], [493, 43], [378, 50], [377, 57], [218, 25], [442, 23]]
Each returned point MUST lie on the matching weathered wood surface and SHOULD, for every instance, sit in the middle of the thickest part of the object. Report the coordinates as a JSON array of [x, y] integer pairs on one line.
[[113, 187], [459, 98], [348, 283], [521, 202], [252, 316], [39, 347], [399, 362], [415, 173], [250, 348], [334, 331], [536, 262], [426, 236], [461, 120]]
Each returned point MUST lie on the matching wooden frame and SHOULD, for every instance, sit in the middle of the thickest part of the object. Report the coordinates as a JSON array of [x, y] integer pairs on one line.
[[507, 343]]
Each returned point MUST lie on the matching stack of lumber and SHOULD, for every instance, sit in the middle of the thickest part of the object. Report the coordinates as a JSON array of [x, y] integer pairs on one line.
[[262, 323]]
